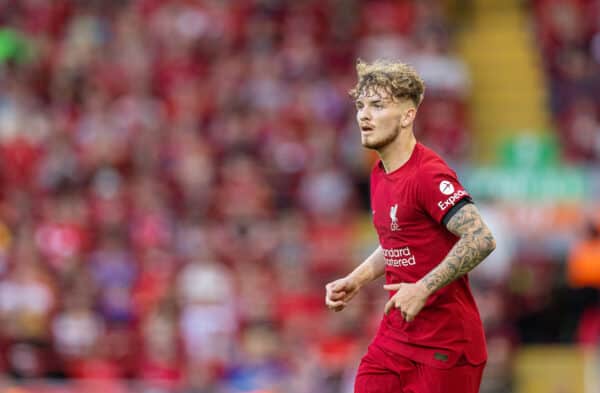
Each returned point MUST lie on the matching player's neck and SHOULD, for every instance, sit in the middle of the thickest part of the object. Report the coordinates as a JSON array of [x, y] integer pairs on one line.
[[397, 153]]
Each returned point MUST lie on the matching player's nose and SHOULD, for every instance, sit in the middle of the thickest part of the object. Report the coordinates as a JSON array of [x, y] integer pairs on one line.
[[364, 115]]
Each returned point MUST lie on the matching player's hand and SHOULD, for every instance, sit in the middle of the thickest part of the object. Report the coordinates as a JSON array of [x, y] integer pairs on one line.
[[409, 299], [339, 292]]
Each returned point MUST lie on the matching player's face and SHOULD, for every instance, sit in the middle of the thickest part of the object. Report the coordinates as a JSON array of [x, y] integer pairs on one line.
[[381, 118]]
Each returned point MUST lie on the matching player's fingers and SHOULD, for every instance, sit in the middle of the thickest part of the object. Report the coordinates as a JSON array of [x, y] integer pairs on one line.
[[388, 306], [337, 295], [333, 304], [392, 287], [338, 307], [329, 287], [409, 317]]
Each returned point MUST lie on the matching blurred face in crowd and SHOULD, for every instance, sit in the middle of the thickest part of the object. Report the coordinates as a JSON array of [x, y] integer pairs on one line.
[[382, 118]]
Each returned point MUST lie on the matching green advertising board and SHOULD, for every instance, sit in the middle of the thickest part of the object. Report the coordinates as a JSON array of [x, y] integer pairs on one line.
[[529, 169], [544, 184]]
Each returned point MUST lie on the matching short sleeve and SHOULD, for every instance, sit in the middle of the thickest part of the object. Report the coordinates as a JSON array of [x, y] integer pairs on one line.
[[440, 193]]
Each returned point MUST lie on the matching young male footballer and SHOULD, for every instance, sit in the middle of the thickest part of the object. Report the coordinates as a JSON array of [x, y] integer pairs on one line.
[[431, 235]]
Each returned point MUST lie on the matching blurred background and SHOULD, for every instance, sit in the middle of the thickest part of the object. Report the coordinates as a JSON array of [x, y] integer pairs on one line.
[[179, 179]]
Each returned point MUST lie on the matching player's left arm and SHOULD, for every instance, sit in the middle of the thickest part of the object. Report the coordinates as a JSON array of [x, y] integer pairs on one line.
[[475, 244]]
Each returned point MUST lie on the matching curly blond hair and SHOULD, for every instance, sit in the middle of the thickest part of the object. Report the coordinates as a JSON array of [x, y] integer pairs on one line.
[[399, 80]]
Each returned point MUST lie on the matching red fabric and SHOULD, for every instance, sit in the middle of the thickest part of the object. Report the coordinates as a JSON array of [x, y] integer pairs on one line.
[[414, 243], [383, 372]]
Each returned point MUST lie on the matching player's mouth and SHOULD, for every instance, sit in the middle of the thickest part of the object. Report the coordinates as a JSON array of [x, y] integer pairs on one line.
[[366, 128]]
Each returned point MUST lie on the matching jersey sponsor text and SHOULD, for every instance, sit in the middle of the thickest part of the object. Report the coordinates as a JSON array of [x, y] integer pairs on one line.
[[443, 205], [396, 257]]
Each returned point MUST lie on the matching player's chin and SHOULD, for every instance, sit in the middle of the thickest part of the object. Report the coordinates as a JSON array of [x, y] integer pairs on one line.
[[370, 144]]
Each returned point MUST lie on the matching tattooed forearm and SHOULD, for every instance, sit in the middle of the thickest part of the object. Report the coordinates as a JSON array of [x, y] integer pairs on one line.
[[476, 242]]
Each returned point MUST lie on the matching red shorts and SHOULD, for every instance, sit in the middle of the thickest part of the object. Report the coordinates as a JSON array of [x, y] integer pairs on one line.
[[382, 372]]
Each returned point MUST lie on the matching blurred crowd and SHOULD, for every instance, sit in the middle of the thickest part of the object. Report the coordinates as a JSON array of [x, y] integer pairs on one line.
[[569, 35], [179, 179]]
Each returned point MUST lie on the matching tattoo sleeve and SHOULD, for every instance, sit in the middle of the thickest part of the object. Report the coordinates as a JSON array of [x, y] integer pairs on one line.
[[475, 244]]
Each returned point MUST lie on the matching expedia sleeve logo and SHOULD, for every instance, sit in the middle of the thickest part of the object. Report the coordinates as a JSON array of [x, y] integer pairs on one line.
[[447, 188]]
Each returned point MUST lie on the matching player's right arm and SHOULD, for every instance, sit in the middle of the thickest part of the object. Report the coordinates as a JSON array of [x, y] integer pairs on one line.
[[339, 292]]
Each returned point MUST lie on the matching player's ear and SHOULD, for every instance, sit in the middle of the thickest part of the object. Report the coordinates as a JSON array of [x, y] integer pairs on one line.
[[408, 117]]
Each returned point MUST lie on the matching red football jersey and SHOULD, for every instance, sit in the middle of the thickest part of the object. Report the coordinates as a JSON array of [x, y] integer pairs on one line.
[[409, 207]]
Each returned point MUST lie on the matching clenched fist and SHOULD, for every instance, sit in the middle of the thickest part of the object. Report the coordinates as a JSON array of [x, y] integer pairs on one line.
[[339, 292]]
